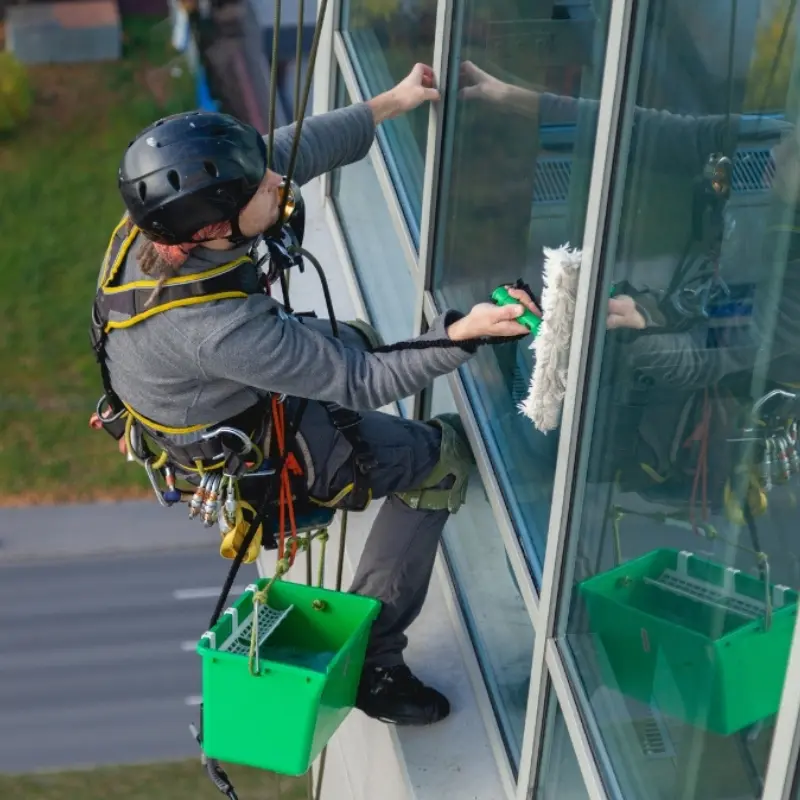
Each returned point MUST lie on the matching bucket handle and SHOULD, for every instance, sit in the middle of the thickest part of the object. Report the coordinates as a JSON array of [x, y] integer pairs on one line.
[[774, 598]]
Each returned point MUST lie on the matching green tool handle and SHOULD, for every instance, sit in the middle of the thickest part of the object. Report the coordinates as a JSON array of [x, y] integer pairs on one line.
[[501, 297]]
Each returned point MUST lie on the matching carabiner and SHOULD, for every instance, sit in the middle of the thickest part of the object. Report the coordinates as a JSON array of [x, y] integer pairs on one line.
[[99, 410], [148, 465], [246, 441]]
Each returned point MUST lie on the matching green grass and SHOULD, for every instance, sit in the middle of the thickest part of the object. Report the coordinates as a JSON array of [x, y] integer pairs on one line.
[[58, 206], [184, 780]]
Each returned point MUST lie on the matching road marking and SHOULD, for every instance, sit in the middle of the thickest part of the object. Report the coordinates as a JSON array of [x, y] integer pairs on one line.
[[204, 592], [189, 647], [193, 700]]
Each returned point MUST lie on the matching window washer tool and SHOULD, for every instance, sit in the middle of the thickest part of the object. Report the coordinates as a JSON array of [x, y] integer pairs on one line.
[[552, 334]]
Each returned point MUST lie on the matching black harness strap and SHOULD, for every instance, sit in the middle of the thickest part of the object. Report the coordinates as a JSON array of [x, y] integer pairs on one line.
[[347, 423]]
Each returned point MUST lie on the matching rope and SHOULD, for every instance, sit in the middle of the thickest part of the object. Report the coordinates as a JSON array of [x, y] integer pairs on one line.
[[286, 498], [323, 538], [339, 569], [259, 599], [273, 88], [312, 58], [309, 565], [298, 61]]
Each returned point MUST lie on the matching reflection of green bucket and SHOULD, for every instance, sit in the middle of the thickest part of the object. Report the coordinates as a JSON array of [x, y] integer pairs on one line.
[[308, 672], [705, 624]]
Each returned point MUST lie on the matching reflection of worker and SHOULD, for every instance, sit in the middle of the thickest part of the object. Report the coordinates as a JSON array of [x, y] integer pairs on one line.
[[199, 191], [667, 351], [684, 143]]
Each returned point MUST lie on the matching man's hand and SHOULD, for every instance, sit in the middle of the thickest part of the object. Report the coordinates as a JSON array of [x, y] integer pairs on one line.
[[525, 299], [410, 93], [623, 313], [487, 319], [477, 84]]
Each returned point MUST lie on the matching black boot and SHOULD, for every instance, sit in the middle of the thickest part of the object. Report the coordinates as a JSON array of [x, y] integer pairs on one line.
[[394, 695]]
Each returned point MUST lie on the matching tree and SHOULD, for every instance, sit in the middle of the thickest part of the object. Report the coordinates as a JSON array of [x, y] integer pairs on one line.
[[16, 97], [771, 69]]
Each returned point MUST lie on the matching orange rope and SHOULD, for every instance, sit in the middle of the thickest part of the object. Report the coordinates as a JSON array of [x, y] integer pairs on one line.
[[286, 502]]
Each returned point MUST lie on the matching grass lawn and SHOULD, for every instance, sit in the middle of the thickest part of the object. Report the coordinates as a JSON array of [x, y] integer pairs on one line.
[[185, 780], [58, 206]]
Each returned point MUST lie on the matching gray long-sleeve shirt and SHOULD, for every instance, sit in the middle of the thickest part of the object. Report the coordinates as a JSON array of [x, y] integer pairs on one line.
[[682, 144], [208, 362]]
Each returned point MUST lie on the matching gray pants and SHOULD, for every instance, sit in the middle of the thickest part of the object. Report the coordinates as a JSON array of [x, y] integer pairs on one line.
[[399, 555]]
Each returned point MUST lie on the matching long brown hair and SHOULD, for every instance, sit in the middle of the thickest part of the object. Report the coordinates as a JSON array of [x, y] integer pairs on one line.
[[163, 262], [153, 265]]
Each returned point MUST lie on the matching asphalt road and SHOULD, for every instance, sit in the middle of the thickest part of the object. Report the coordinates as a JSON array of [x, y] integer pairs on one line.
[[97, 660]]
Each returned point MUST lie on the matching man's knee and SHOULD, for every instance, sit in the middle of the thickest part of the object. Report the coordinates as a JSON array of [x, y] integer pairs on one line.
[[446, 485]]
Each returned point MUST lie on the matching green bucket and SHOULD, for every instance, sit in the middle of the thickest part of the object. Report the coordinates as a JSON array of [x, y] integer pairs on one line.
[[702, 642], [305, 682]]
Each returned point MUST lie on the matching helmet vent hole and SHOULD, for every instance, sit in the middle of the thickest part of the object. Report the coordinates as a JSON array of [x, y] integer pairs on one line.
[[174, 180], [142, 190], [211, 168]]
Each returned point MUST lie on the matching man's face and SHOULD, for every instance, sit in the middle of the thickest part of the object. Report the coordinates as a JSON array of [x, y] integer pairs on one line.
[[261, 212]]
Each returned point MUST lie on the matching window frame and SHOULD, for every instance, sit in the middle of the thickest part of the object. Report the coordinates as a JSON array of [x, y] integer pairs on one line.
[[551, 668]]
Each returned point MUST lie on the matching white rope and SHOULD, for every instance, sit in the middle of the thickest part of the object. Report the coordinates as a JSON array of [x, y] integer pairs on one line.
[[551, 345]]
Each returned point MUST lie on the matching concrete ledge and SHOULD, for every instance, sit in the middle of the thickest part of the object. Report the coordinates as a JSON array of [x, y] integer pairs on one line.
[[367, 760]]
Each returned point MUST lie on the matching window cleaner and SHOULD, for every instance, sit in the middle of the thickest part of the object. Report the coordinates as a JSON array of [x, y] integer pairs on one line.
[[242, 409]]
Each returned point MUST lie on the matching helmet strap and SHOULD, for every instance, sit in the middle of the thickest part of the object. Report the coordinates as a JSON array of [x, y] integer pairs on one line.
[[236, 238]]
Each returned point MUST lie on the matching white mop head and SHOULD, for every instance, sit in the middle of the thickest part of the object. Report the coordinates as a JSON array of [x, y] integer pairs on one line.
[[551, 345]]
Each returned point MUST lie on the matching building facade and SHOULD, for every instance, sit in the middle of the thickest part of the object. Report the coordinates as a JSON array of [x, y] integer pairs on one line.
[[627, 583]]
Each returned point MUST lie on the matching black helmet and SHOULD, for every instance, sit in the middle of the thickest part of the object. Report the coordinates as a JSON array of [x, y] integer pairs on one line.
[[190, 170]]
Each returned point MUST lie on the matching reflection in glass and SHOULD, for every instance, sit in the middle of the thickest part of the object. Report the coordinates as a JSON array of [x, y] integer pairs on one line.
[[498, 621], [684, 556], [516, 179], [559, 774], [795, 793], [385, 40], [382, 271]]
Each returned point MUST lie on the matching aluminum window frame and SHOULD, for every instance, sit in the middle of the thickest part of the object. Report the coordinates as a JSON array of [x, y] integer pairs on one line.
[[551, 668], [348, 73]]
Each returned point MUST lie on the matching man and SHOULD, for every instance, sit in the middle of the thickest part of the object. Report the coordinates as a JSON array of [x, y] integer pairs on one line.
[[199, 195]]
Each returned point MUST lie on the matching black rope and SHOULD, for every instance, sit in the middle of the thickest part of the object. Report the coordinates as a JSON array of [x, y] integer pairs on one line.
[[297, 59], [470, 345], [302, 112], [273, 89], [325, 288]]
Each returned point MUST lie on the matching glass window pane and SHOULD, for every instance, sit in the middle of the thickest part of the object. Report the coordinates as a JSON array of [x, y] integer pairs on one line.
[[384, 42], [559, 774], [498, 621], [516, 179], [382, 271], [684, 559]]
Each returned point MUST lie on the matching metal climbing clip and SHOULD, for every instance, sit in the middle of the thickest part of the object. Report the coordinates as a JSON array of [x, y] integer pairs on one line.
[[103, 401], [246, 441], [151, 474]]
